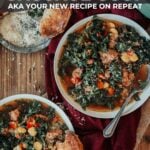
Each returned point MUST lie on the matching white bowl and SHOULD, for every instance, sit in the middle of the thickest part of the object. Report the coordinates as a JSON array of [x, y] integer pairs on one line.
[[40, 99], [111, 114]]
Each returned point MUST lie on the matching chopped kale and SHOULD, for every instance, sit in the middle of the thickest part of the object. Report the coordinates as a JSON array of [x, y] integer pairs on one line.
[[121, 47], [35, 13], [34, 108], [116, 71]]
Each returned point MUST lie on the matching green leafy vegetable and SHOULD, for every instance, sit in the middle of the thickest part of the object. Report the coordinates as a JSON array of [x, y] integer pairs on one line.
[[121, 47], [116, 71], [34, 108], [35, 13]]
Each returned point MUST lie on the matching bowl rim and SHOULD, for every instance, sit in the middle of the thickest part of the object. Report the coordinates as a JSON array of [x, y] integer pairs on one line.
[[40, 99], [97, 114]]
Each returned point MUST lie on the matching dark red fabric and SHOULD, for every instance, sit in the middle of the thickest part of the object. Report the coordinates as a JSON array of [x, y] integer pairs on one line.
[[90, 129]]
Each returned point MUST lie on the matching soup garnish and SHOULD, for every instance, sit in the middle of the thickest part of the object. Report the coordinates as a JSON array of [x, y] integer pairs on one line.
[[100, 61]]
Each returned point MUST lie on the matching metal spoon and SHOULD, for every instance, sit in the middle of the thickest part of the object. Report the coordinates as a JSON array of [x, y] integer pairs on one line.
[[109, 130]]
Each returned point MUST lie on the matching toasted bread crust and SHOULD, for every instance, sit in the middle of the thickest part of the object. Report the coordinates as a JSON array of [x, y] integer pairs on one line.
[[54, 22], [72, 142]]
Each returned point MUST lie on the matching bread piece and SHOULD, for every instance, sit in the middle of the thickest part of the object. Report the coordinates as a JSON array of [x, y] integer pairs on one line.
[[54, 22], [72, 142], [143, 124]]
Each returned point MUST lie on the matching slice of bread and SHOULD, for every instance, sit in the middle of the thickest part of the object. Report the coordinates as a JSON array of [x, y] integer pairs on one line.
[[54, 22]]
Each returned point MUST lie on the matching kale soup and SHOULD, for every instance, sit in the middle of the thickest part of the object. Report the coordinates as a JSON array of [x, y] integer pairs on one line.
[[33, 125], [100, 61]]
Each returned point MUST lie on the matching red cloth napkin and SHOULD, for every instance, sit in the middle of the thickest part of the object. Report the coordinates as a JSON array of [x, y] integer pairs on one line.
[[90, 129]]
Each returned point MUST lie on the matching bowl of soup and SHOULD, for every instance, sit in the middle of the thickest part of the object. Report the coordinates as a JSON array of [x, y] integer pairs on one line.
[[33, 122], [96, 62]]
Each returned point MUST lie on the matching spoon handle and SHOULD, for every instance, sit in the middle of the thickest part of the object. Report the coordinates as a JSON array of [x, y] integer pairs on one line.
[[109, 130]]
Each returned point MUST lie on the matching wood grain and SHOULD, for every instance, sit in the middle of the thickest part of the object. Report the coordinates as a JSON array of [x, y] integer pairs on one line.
[[24, 73], [21, 73]]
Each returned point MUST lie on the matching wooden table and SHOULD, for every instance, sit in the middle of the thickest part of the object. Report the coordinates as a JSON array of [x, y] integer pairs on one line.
[[21, 73], [24, 73]]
